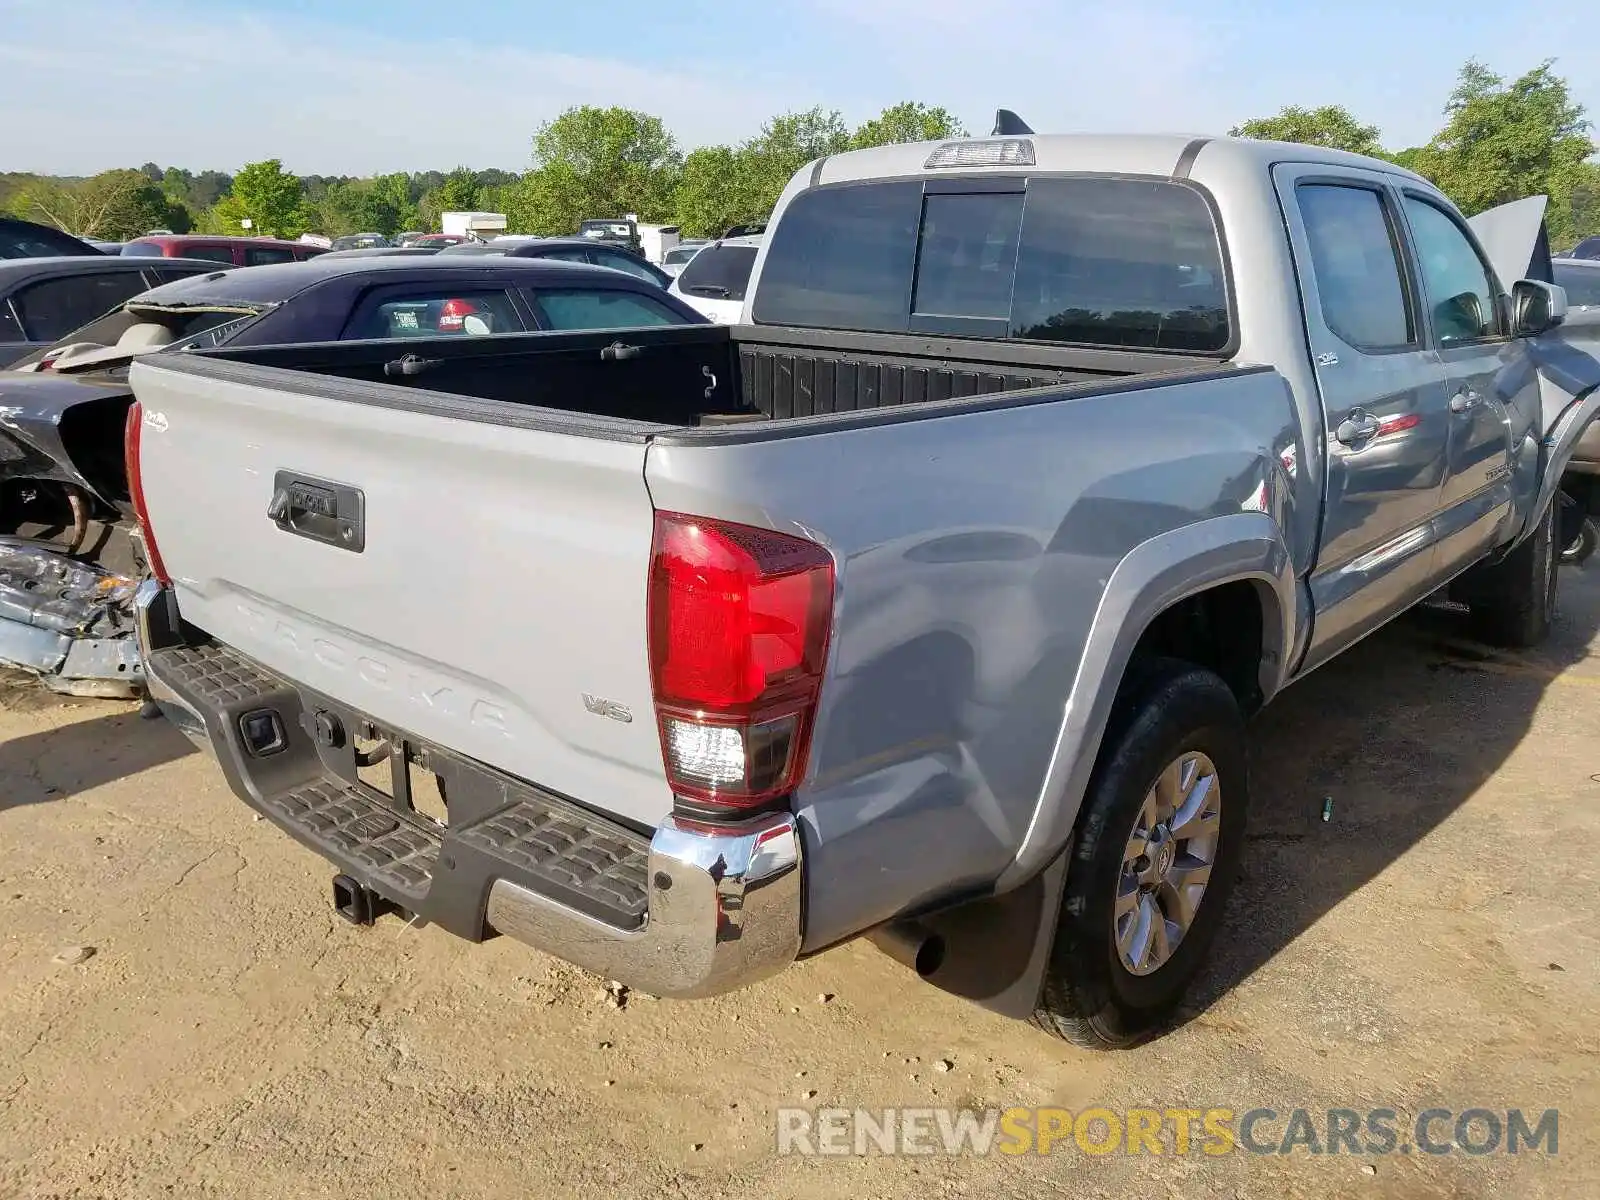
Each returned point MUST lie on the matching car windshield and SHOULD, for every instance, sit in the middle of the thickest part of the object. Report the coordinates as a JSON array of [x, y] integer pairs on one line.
[[678, 254], [719, 272]]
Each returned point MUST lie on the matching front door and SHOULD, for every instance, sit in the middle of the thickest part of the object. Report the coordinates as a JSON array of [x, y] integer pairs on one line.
[[1493, 388], [1383, 398]]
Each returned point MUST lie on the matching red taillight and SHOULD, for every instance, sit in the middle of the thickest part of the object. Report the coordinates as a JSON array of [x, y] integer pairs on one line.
[[130, 447], [739, 622], [453, 314]]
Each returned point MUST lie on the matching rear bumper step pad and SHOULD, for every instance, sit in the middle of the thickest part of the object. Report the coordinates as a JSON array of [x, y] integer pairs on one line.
[[499, 825], [695, 910]]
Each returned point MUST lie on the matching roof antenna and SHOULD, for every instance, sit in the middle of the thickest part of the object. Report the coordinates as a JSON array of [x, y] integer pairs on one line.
[[1008, 124]]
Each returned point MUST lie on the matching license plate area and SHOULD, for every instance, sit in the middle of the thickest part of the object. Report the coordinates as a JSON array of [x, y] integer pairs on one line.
[[400, 771]]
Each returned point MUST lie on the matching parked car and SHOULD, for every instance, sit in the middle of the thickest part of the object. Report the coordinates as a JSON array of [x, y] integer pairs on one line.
[[715, 281], [1580, 516], [232, 251], [27, 239], [437, 241], [674, 260], [622, 232], [42, 299], [411, 235], [107, 247], [928, 602], [360, 241], [385, 252], [567, 250], [1589, 248], [61, 467]]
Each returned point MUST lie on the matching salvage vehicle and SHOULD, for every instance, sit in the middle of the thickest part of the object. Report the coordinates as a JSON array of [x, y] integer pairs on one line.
[[66, 563], [229, 251], [1580, 488], [360, 241], [717, 279], [28, 239], [43, 299], [927, 603], [674, 260]]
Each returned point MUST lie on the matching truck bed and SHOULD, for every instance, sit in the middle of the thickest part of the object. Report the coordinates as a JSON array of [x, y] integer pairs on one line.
[[687, 376]]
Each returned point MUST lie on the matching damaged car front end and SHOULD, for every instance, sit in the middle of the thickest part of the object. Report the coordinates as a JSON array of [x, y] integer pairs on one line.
[[70, 555], [69, 560], [68, 622]]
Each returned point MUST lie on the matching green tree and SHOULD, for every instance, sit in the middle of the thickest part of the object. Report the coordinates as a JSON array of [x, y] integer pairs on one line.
[[1331, 126], [266, 195], [115, 205], [389, 208], [459, 192], [596, 162], [712, 192], [765, 164], [1503, 141], [908, 122], [342, 207]]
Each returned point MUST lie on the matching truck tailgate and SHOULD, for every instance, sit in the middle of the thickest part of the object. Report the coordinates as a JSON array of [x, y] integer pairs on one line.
[[492, 599]]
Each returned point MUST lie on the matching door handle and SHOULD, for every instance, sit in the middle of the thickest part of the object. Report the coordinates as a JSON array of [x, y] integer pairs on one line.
[[1463, 400], [1357, 429]]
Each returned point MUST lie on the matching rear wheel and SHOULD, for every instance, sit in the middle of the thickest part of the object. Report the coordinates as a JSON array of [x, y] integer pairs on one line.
[[1155, 857], [1514, 601]]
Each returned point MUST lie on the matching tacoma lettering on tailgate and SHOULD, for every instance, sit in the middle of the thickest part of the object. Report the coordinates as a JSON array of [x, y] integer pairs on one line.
[[417, 689]]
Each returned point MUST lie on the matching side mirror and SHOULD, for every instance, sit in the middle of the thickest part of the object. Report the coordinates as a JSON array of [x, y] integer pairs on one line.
[[1536, 307]]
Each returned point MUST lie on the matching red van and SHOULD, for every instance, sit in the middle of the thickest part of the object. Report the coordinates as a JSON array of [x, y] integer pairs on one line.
[[231, 251]]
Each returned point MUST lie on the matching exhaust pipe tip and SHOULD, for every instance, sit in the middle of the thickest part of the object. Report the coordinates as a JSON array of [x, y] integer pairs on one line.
[[911, 944]]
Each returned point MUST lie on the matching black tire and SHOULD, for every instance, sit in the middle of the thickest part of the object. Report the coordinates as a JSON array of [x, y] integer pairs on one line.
[[1089, 997], [1513, 602], [1581, 548]]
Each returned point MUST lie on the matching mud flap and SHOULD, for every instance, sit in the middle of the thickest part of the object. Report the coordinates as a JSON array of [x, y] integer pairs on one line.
[[996, 949]]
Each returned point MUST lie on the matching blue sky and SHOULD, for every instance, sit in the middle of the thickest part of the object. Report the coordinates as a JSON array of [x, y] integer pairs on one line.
[[360, 86]]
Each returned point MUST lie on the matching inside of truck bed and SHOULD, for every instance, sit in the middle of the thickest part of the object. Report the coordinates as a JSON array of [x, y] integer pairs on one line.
[[692, 375]]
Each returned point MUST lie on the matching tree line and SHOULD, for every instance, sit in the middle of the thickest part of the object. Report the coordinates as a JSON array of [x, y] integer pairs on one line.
[[1501, 140]]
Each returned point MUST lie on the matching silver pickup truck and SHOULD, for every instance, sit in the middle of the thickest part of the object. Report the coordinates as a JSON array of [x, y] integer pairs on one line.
[[928, 603]]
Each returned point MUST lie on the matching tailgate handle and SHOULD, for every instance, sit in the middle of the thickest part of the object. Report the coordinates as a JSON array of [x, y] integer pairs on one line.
[[409, 364], [619, 352], [318, 509]]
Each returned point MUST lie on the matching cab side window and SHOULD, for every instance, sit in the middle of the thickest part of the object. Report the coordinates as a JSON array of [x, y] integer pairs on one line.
[[1355, 256], [1462, 294]]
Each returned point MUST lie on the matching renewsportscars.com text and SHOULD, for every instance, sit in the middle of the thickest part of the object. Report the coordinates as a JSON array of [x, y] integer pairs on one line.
[[1210, 1132]]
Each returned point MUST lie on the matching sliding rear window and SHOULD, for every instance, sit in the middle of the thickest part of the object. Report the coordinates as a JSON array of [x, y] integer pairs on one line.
[[1087, 260]]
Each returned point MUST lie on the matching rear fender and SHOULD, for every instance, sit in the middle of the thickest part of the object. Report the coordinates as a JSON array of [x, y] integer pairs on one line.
[[1154, 576]]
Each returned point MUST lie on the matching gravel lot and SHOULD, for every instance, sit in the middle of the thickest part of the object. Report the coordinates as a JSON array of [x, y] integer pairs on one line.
[[1436, 943]]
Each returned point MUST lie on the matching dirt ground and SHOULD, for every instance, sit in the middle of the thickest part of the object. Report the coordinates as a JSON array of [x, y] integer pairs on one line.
[[1435, 943]]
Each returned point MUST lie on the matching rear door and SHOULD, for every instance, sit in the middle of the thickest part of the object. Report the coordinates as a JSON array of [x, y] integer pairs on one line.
[[1383, 396], [491, 597]]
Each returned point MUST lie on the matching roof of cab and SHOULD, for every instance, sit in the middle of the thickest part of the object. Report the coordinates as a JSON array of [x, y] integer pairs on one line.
[[1121, 153]]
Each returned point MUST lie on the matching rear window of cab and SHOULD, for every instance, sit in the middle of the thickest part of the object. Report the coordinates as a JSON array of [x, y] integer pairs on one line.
[[1085, 260]]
